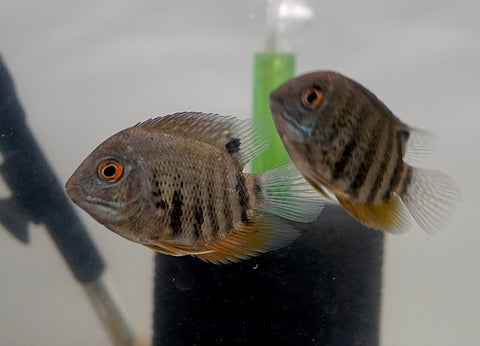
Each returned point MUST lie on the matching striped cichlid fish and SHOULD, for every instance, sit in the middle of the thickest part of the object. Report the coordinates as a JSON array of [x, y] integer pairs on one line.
[[176, 184], [351, 147]]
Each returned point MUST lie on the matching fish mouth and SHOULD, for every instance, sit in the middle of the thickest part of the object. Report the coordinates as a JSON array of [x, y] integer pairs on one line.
[[106, 204], [287, 124], [100, 209], [74, 192]]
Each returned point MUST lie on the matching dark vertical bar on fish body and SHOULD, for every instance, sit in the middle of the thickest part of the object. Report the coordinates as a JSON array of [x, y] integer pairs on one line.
[[242, 193], [325, 289], [406, 181], [387, 152], [198, 221], [397, 172], [211, 214], [367, 160], [342, 162], [227, 210], [352, 144], [176, 214]]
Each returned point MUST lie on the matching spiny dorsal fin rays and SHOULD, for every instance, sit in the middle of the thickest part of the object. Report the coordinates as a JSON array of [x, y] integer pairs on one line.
[[244, 139]]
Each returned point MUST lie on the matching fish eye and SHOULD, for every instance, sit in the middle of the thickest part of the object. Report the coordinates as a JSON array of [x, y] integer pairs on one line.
[[312, 97], [110, 170]]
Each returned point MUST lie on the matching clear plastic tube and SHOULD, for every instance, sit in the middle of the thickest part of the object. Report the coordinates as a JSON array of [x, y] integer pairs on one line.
[[285, 20]]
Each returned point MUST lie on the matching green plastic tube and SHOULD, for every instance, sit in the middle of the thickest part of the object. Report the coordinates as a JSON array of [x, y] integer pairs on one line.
[[270, 70]]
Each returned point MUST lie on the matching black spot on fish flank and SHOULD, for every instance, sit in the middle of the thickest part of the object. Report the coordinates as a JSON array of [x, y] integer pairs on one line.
[[381, 170], [198, 218], [397, 172], [242, 193], [176, 214], [339, 167], [233, 145]]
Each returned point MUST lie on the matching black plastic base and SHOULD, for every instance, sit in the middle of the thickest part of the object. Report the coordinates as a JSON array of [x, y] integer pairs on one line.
[[325, 289]]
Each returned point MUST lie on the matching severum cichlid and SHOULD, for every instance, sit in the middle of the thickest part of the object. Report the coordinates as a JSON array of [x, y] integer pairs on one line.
[[176, 184], [346, 142]]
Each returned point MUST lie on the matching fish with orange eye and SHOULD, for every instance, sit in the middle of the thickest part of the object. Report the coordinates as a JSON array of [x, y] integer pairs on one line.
[[176, 185], [110, 170], [350, 147]]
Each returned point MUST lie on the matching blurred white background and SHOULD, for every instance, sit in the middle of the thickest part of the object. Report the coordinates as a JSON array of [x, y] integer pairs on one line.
[[86, 69]]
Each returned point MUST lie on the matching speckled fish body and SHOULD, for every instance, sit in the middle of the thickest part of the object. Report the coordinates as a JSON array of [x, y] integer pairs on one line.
[[181, 188], [351, 147]]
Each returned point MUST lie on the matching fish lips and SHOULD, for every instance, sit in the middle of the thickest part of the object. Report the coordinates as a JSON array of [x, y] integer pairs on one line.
[[102, 210]]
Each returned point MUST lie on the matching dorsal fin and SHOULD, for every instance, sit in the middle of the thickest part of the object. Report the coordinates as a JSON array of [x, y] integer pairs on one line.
[[243, 139]]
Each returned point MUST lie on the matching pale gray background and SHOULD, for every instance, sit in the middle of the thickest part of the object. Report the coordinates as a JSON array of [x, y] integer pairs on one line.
[[86, 69]]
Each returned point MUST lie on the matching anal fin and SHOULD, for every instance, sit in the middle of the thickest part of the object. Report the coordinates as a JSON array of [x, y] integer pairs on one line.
[[175, 249], [263, 233], [390, 216]]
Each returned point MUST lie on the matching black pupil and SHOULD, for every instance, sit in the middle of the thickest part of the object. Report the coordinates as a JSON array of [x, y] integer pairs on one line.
[[109, 171], [312, 97]]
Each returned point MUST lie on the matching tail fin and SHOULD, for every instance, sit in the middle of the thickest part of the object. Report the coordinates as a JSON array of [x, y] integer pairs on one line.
[[287, 194], [430, 198]]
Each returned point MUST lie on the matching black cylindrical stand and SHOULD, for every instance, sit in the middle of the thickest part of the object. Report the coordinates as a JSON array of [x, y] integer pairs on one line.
[[325, 289]]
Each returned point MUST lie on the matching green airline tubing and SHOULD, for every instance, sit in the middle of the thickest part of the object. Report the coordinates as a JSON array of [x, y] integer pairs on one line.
[[270, 70]]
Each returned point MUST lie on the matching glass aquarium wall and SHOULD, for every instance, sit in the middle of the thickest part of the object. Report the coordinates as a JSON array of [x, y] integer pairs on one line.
[[86, 70]]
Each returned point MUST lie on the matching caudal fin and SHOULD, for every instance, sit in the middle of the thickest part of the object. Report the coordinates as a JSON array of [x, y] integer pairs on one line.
[[430, 198], [287, 194]]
